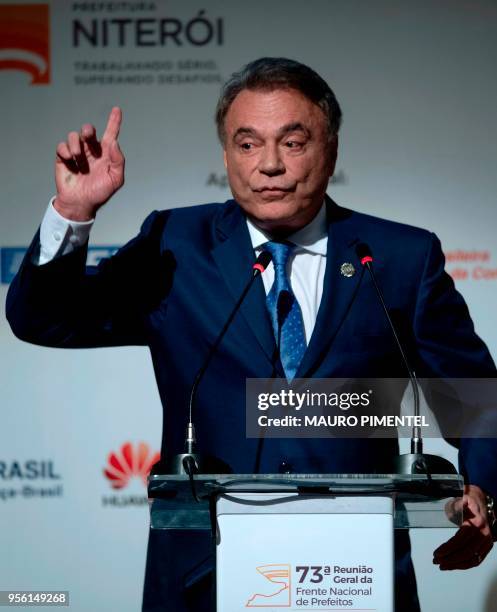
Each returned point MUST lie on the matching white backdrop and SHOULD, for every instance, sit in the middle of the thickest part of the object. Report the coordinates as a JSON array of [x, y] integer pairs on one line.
[[417, 85]]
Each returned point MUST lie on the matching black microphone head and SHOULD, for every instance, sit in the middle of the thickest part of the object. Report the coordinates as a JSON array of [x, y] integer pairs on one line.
[[262, 262], [364, 253]]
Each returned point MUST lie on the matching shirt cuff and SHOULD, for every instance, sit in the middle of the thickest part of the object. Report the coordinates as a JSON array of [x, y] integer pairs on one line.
[[60, 236]]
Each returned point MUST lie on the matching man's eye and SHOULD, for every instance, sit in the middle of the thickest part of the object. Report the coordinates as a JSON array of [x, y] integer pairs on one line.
[[293, 144], [246, 146]]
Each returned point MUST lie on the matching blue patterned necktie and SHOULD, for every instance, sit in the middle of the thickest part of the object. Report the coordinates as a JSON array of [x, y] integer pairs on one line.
[[285, 312]]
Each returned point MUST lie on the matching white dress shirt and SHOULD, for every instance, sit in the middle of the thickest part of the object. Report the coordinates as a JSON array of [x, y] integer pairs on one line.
[[306, 266], [60, 236]]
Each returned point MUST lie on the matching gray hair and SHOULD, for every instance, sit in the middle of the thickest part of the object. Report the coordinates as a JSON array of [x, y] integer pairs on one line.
[[270, 73]]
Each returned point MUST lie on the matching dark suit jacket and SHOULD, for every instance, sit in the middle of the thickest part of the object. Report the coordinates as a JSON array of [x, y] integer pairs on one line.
[[173, 286]]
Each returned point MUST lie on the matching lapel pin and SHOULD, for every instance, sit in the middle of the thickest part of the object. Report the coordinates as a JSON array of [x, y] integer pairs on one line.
[[347, 270]]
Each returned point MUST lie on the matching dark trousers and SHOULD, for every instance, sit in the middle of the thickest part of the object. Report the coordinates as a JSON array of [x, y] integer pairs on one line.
[[179, 574]]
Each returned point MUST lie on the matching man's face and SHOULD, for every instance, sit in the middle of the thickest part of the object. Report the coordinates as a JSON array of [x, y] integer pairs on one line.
[[278, 157]]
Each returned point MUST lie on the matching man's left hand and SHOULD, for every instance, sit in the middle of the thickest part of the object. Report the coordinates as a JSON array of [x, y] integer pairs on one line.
[[473, 541]]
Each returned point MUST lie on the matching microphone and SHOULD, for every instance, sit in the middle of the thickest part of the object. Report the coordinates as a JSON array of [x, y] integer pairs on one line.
[[415, 462], [190, 462]]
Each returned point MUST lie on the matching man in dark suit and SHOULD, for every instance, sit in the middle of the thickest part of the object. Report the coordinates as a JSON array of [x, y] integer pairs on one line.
[[173, 286]]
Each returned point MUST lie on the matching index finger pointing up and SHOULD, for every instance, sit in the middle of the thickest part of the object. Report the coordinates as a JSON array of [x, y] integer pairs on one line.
[[113, 125]]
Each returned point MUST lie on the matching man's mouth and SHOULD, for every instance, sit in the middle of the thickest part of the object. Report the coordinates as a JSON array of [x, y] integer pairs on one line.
[[273, 194], [273, 188]]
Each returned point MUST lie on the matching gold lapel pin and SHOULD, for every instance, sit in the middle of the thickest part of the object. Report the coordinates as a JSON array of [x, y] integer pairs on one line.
[[347, 270]]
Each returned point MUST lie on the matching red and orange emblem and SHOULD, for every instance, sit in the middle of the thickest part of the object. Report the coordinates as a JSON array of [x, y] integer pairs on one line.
[[25, 40]]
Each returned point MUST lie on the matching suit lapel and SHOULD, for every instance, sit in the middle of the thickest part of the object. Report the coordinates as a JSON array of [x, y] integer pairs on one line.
[[338, 290], [234, 257]]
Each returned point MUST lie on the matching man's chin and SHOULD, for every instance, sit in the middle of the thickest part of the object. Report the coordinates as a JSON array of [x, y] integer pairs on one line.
[[276, 217]]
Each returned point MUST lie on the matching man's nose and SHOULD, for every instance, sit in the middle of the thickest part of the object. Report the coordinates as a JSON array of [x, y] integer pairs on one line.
[[270, 162]]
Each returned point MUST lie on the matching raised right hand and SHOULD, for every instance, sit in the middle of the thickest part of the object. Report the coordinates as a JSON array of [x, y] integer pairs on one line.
[[88, 172]]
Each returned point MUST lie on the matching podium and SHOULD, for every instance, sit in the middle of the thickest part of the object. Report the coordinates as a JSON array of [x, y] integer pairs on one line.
[[304, 541]]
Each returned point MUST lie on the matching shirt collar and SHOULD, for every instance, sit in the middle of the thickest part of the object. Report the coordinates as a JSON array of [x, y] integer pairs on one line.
[[313, 237]]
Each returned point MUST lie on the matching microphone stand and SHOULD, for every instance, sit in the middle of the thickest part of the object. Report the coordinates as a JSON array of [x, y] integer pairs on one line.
[[190, 462], [415, 462]]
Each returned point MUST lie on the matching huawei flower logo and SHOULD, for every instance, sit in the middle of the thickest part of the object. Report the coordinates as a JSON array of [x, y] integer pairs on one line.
[[128, 462], [25, 40]]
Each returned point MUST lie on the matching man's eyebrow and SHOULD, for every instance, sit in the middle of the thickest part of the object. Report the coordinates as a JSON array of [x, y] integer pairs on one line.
[[294, 127], [244, 131]]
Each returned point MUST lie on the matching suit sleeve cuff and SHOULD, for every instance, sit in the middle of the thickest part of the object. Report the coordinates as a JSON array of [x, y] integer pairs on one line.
[[60, 236], [477, 463]]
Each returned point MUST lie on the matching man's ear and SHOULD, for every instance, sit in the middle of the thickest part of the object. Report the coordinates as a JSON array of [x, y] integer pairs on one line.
[[333, 154], [224, 158]]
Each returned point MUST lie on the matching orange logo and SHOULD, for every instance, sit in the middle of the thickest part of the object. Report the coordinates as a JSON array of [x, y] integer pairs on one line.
[[278, 596], [128, 462], [25, 40]]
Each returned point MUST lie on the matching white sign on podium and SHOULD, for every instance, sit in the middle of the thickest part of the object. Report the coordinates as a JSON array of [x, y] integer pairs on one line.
[[292, 552]]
